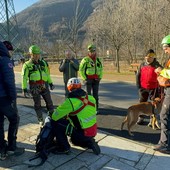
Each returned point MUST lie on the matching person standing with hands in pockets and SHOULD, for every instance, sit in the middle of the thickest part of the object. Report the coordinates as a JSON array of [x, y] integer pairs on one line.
[[69, 66], [91, 71]]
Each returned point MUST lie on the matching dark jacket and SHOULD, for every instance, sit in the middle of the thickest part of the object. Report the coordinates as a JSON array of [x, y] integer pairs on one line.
[[146, 76], [7, 77], [69, 69]]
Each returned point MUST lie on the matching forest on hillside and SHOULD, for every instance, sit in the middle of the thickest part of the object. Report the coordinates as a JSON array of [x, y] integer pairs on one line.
[[121, 29]]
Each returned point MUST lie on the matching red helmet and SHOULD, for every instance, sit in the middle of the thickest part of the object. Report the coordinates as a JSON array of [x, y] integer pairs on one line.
[[73, 83], [8, 45]]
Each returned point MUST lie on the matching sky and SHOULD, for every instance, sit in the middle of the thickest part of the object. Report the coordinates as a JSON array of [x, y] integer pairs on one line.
[[22, 4]]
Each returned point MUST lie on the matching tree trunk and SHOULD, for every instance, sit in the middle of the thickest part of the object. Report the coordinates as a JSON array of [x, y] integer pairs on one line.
[[117, 60]]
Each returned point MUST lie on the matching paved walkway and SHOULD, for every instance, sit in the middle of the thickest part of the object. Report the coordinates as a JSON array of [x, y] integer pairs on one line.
[[116, 153]]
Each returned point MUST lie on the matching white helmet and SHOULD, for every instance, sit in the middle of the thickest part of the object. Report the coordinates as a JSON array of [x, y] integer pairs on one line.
[[73, 83]]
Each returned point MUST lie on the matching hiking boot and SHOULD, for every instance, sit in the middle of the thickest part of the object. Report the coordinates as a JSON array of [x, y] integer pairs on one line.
[[140, 121], [62, 151], [17, 152], [95, 147], [162, 149], [3, 155]]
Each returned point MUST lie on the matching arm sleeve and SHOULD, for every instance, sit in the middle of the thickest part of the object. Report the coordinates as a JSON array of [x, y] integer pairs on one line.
[[63, 110], [82, 69], [49, 80], [101, 69], [76, 64], [138, 74], [62, 66], [165, 73], [8, 77], [25, 74]]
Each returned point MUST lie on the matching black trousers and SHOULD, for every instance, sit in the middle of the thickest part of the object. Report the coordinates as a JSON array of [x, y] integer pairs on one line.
[[165, 120], [92, 88], [77, 137], [146, 94], [8, 109], [66, 90], [37, 103]]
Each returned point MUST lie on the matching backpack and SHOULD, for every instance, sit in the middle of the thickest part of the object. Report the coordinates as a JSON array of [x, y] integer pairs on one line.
[[45, 142]]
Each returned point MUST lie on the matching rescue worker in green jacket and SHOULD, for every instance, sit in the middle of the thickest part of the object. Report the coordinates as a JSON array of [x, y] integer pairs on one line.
[[35, 71], [76, 117], [91, 71]]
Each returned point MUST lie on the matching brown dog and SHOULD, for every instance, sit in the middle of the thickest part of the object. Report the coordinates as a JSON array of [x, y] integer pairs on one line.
[[144, 108]]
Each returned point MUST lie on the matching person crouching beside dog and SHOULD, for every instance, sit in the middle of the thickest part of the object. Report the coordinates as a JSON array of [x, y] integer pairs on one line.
[[76, 117], [146, 81]]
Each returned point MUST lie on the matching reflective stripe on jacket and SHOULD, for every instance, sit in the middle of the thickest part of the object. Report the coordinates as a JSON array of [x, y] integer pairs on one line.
[[86, 117], [90, 68], [166, 71], [35, 72]]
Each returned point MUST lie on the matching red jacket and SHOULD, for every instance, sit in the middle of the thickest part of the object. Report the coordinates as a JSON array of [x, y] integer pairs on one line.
[[146, 77]]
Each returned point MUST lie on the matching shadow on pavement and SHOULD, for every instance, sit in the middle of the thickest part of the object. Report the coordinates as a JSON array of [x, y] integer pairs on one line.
[[110, 119]]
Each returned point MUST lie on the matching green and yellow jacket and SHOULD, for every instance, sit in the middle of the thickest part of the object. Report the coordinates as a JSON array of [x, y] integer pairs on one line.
[[91, 69], [80, 112], [34, 72], [166, 71]]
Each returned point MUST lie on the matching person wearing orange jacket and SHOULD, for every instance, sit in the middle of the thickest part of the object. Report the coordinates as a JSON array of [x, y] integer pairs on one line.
[[164, 141]]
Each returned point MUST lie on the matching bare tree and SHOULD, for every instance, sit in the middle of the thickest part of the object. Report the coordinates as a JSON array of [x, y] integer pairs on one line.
[[110, 24], [70, 35]]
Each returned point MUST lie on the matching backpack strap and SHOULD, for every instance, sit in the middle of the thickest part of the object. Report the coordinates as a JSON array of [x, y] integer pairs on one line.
[[85, 103]]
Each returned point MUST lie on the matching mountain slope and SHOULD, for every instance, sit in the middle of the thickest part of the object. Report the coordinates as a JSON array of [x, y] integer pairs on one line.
[[48, 16]]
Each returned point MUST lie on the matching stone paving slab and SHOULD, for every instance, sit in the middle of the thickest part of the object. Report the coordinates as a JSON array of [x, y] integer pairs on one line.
[[116, 152]]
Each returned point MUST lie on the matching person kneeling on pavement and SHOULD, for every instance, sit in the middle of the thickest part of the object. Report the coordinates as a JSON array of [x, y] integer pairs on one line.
[[76, 117]]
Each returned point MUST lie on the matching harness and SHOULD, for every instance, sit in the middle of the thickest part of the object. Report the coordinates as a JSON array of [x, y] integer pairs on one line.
[[37, 82], [85, 103]]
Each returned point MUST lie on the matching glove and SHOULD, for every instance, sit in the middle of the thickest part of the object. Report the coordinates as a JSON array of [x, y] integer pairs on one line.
[[26, 93], [50, 113], [51, 86]]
